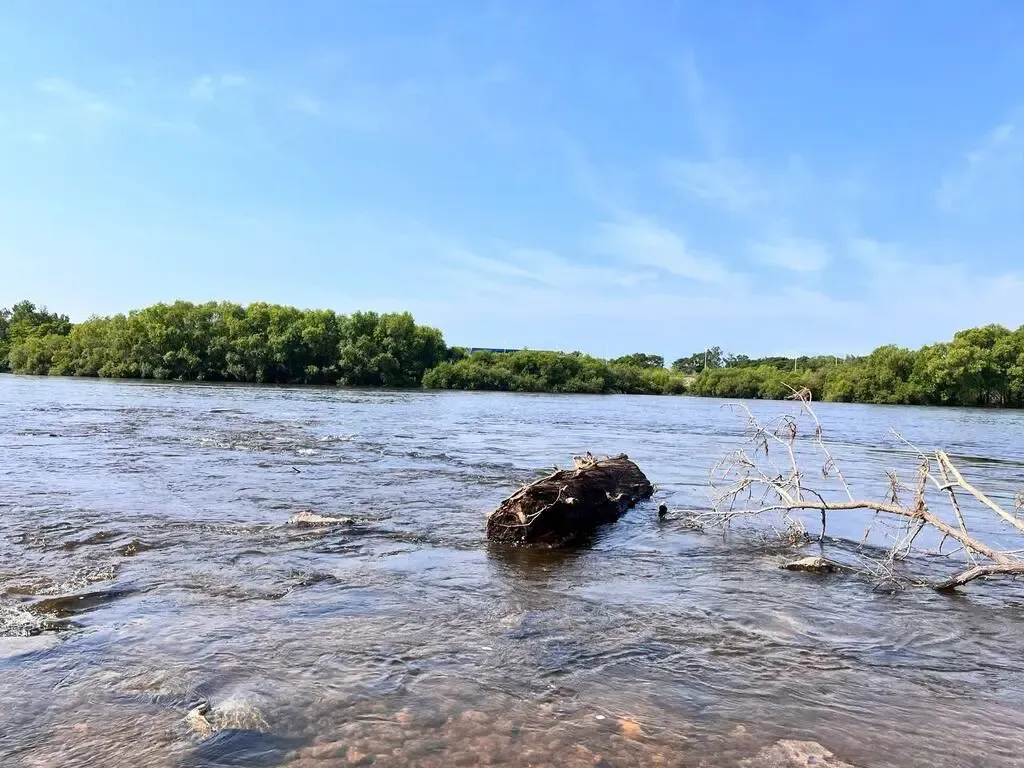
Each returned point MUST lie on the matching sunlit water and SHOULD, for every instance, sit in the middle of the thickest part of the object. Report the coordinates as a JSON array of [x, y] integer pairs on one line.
[[404, 640]]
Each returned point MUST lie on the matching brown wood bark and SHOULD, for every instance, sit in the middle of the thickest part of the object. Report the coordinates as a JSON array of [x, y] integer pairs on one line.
[[568, 504]]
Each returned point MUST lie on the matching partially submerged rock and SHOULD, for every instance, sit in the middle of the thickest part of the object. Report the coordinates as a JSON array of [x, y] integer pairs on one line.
[[307, 519], [75, 603], [812, 565], [569, 503], [795, 754], [231, 714], [197, 720]]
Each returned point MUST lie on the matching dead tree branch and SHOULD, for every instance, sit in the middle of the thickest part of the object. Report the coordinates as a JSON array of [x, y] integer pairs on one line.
[[750, 483]]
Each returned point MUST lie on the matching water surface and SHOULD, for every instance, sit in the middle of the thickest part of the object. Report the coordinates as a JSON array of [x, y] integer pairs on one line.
[[145, 567]]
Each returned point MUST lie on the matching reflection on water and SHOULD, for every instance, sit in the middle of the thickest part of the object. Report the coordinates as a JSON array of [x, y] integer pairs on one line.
[[145, 573]]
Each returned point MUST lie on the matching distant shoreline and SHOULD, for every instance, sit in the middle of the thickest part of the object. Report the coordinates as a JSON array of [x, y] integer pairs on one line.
[[222, 342]]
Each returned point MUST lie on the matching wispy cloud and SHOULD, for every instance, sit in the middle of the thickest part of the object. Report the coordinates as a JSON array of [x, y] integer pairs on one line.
[[518, 269], [67, 106], [540, 299], [353, 114], [726, 181], [769, 207], [75, 96], [306, 104], [796, 254], [708, 115], [639, 240], [942, 294], [991, 173], [210, 87]]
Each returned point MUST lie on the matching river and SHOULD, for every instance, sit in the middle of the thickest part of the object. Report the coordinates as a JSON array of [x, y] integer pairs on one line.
[[405, 640]]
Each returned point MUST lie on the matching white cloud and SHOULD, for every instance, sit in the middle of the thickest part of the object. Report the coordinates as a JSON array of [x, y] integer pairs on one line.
[[307, 105], [352, 114], [540, 300], [708, 117], [75, 96], [797, 254], [780, 213], [639, 240], [991, 174], [932, 297], [79, 107], [727, 181], [538, 269], [209, 87]]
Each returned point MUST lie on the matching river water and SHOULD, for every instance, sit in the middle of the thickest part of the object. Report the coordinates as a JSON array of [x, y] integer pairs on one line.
[[145, 567]]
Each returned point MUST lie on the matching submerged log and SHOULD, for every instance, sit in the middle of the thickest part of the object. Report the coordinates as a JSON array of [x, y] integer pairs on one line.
[[569, 503]]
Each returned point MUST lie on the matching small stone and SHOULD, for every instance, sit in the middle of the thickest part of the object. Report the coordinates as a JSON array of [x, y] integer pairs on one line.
[[306, 519], [812, 565], [133, 547], [584, 753], [403, 716], [789, 753], [630, 728], [354, 756]]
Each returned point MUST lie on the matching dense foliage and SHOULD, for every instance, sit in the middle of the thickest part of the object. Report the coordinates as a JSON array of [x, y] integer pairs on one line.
[[529, 371], [25, 321], [271, 343], [228, 342], [980, 366]]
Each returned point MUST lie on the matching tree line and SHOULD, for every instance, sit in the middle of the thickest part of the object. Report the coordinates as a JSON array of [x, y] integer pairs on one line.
[[222, 341], [567, 372], [979, 367]]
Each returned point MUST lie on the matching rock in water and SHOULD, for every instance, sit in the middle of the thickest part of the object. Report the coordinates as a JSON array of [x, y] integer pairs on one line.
[[312, 519], [569, 503], [795, 754], [812, 565]]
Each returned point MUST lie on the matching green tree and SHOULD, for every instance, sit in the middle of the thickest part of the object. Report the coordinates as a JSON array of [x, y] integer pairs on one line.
[[640, 360], [387, 350], [23, 321], [39, 355], [698, 361], [885, 376]]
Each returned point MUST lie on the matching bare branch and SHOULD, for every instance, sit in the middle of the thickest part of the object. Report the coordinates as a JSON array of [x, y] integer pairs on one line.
[[752, 485], [979, 571], [948, 465]]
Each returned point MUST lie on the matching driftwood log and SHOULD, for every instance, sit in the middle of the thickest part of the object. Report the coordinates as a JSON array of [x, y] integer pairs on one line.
[[568, 504]]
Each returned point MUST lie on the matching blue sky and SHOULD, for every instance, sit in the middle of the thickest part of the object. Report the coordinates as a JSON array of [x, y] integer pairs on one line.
[[605, 175]]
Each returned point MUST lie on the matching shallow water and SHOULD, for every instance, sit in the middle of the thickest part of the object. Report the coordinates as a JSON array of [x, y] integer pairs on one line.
[[145, 567]]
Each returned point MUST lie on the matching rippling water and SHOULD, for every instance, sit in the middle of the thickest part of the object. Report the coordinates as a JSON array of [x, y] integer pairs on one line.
[[145, 568]]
